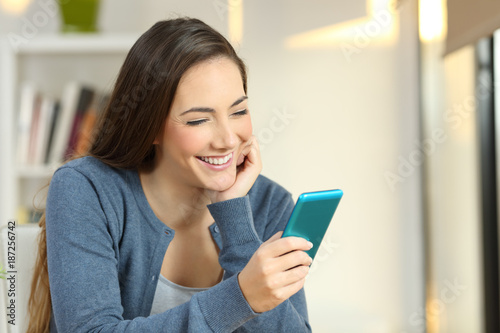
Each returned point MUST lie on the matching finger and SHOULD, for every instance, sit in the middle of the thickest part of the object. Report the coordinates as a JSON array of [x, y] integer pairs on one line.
[[251, 165], [249, 144], [241, 159], [253, 155], [292, 280], [252, 159], [293, 259], [288, 283], [245, 151], [255, 142], [292, 288], [288, 244], [294, 275], [252, 140]]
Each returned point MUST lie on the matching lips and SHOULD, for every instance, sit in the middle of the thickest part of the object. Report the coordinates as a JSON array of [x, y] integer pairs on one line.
[[216, 163], [216, 160]]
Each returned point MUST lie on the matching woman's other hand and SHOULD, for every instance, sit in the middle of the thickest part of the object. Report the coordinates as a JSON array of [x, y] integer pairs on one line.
[[248, 168], [276, 271]]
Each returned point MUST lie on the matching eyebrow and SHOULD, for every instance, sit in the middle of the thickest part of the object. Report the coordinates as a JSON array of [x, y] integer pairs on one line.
[[206, 109], [238, 101]]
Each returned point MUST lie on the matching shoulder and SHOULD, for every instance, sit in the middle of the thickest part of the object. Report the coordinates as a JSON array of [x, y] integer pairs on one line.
[[88, 185], [88, 177], [91, 170], [88, 166]]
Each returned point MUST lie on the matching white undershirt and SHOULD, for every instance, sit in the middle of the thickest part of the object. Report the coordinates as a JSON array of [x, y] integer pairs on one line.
[[169, 295]]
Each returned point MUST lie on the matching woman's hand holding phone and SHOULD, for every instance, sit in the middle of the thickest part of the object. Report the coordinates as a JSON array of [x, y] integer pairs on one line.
[[276, 271]]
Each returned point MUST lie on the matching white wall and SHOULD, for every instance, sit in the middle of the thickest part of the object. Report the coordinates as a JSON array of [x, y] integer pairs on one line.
[[351, 121]]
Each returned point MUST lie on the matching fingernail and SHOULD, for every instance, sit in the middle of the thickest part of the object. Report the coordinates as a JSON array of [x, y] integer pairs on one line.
[[310, 244]]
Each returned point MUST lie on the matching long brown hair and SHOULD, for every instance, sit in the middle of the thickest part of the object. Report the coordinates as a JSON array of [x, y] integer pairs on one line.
[[135, 115]]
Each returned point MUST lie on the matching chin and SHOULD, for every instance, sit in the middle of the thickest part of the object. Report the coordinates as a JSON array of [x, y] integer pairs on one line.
[[220, 183]]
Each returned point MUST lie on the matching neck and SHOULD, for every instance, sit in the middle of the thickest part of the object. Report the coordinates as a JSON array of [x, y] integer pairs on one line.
[[177, 205]]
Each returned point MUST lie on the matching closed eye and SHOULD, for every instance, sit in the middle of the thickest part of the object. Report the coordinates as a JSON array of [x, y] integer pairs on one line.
[[201, 121], [196, 122], [240, 113]]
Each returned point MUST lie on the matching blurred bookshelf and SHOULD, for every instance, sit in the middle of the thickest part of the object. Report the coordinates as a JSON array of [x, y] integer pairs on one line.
[[51, 89]]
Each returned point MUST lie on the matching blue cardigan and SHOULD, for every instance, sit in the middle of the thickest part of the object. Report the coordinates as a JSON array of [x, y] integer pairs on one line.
[[105, 248]]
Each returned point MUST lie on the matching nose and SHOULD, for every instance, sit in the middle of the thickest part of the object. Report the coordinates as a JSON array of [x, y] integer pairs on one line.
[[224, 137]]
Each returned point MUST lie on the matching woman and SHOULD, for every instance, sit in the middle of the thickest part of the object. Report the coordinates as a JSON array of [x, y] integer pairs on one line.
[[166, 225]]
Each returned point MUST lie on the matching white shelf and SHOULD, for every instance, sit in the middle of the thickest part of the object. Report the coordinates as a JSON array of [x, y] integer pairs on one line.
[[78, 44], [36, 172], [50, 61]]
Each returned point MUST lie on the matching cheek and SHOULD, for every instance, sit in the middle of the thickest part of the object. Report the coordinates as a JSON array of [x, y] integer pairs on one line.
[[184, 141], [246, 131]]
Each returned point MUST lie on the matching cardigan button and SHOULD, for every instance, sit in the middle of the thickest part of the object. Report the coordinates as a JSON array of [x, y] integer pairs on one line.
[[216, 229]]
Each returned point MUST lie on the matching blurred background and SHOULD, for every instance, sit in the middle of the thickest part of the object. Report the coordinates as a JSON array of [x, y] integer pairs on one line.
[[391, 101]]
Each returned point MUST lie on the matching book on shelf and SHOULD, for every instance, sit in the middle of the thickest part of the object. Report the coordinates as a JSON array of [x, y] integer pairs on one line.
[[52, 129], [88, 122], [28, 97], [44, 128], [52, 125], [85, 98]]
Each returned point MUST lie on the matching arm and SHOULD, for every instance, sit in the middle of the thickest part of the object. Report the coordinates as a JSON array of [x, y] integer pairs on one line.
[[84, 281], [290, 316], [271, 274], [240, 241]]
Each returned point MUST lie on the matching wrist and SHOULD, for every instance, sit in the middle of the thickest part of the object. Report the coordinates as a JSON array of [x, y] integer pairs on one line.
[[244, 292], [235, 220]]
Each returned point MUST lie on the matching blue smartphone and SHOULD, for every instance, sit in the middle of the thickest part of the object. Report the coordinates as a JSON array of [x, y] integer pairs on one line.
[[312, 215]]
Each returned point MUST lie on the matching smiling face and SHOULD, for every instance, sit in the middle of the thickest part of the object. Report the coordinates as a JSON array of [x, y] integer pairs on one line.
[[207, 127]]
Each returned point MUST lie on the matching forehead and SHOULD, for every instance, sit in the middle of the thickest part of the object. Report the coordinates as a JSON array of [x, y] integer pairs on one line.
[[209, 83]]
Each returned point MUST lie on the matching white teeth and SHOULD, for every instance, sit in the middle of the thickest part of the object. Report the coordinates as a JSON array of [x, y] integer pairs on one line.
[[216, 161]]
